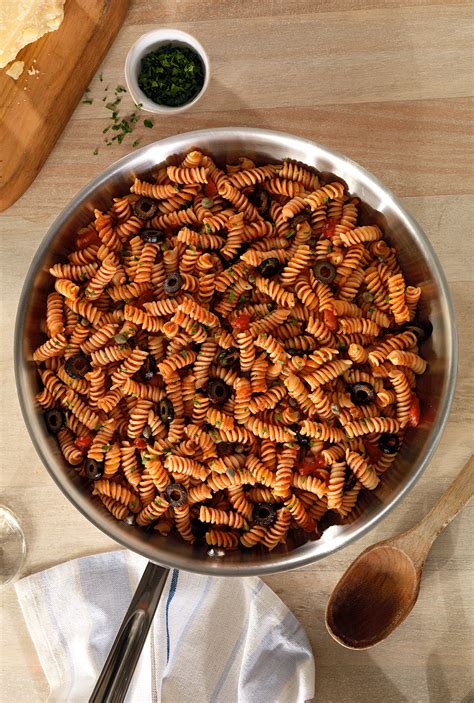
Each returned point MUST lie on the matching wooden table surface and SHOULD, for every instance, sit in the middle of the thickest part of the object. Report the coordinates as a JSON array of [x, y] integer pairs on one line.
[[388, 83]]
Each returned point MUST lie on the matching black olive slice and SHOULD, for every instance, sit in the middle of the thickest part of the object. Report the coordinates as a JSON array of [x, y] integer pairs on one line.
[[77, 366], [264, 514], [166, 410], [54, 420], [389, 443], [362, 393], [217, 390], [173, 283], [228, 357], [152, 236], [198, 528], [176, 495], [350, 481], [422, 330], [148, 368], [324, 271], [262, 201], [145, 208], [302, 440], [224, 449], [93, 469], [269, 267]]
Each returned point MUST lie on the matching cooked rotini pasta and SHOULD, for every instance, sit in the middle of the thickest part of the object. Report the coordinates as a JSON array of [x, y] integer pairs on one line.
[[230, 353]]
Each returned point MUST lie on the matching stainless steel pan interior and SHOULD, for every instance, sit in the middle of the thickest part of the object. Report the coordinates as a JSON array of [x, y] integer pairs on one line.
[[419, 263]]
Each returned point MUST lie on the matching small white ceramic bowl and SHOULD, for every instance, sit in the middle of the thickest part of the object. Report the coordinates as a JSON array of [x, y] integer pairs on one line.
[[149, 42]]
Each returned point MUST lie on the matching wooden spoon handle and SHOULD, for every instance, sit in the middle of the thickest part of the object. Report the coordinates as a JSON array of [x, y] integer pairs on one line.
[[418, 540]]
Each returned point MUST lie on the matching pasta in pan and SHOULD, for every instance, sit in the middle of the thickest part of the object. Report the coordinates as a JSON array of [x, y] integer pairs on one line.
[[230, 354]]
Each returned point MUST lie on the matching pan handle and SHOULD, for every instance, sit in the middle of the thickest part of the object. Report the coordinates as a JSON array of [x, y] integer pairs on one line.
[[115, 677]]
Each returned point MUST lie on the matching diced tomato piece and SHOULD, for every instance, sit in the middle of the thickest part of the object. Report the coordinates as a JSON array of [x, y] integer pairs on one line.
[[87, 239], [373, 452], [210, 189], [310, 464], [147, 297], [329, 229], [330, 320], [414, 414], [140, 442], [155, 380], [83, 442], [241, 322]]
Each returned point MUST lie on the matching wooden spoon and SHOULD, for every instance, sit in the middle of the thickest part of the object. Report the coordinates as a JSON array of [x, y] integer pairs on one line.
[[381, 586]]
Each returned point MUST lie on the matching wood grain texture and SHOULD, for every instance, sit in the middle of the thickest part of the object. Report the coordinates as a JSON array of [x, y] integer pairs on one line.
[[417, 142], [35, 108]]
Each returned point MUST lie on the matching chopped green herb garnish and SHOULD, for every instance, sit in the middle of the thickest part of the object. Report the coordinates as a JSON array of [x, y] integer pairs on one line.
[[87, 101], [136, 143], [171, 75], [148, 123], [96, 151]]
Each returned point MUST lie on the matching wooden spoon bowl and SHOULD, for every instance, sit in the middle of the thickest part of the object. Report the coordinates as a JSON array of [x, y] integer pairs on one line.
[[373, 597], [381, 586]]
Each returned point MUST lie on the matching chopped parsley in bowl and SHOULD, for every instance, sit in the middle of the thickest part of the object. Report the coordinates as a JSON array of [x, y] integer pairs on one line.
[[166, 71], [172, 75]]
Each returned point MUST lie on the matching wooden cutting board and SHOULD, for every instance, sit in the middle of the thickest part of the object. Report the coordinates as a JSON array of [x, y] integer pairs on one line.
[[35, 108]]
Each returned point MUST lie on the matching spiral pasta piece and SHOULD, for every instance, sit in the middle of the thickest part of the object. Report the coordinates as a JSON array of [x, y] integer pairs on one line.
[[336, 485], [219, 538], [380, 352], [406, 358], [362, 470], [297, 172], [370, 425], [278, 531], [284, 472], [118, 492], [396, 299]]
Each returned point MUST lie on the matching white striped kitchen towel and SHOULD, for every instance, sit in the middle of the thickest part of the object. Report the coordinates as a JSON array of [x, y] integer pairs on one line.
[[213, 640]]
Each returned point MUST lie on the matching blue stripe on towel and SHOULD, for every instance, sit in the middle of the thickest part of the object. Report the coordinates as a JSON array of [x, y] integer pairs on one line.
[[275, 661], [194, 612], [174, 583], [107, 607], [235, 649]]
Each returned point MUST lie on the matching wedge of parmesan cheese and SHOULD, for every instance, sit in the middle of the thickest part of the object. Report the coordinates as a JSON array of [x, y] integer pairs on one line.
[[25, 21], [15, 70]]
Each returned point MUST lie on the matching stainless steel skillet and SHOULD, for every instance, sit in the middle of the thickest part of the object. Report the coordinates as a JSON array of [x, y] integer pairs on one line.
[[436, 387]]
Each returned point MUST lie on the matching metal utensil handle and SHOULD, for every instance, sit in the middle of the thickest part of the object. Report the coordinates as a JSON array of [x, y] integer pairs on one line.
[[115, 677]]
